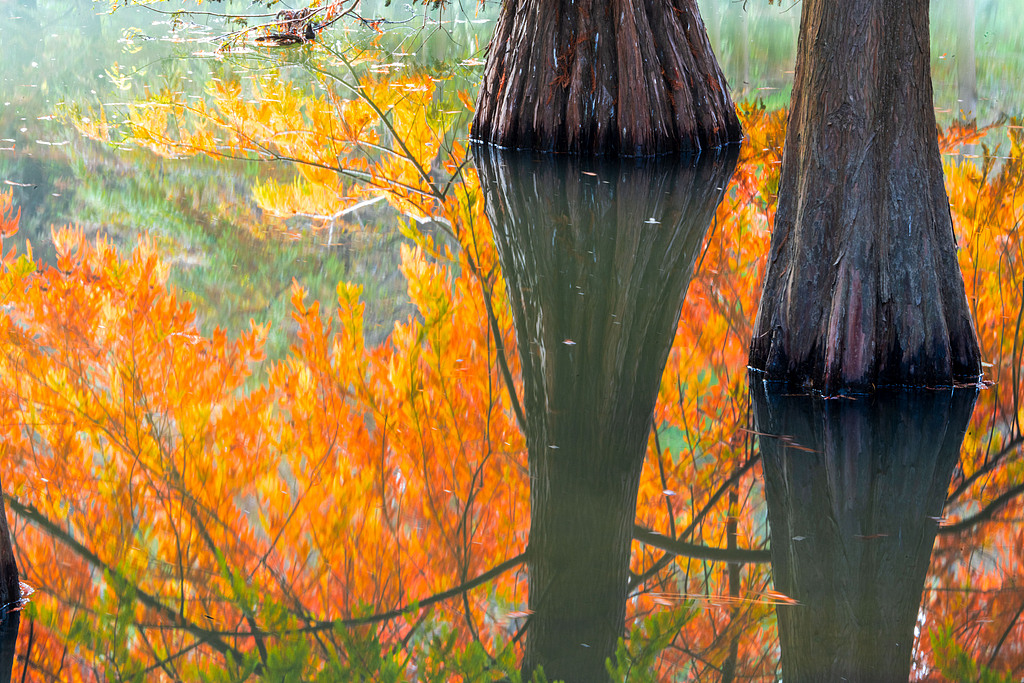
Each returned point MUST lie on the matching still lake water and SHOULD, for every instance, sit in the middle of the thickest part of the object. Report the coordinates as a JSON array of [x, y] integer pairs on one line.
[[183, 518]]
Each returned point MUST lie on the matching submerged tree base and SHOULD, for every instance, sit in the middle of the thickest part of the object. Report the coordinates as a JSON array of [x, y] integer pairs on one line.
[[616, 77], [862, 287], [10, 585]]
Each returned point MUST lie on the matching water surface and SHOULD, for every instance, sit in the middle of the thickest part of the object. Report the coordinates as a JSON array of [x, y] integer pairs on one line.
[[196, 496]]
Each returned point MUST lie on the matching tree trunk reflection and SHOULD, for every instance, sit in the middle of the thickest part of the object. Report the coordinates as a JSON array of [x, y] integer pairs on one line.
[[8, 643], [10, 594], [855, 489], [597, 256]]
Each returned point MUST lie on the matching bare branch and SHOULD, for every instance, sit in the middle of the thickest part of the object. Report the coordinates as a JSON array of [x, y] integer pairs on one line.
[[700, 552]]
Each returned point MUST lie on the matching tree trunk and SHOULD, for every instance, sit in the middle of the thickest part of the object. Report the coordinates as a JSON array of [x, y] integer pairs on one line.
[[10, 586], [854, 491], [10, 594], [862, 286], [597, 257], [627, 77]]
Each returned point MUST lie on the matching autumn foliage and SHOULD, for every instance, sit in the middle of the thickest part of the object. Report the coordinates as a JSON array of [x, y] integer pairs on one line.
[[181, 524]]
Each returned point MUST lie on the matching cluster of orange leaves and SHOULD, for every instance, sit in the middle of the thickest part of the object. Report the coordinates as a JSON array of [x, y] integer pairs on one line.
[[357, 479]]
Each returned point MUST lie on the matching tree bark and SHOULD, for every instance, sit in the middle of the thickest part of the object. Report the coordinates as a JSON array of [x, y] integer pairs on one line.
[[626, 77], [10, 594], [10, 586], [862, 286], [597, 257], [855, 490]]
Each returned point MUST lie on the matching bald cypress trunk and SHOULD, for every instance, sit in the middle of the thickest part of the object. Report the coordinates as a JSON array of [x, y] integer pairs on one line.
[[629, 77], [10, 586], [862, 286], [10, 594]]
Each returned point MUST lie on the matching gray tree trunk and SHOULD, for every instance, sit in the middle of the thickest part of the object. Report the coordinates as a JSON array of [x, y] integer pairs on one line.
[[8, 644], [10, 586], [10, 594]]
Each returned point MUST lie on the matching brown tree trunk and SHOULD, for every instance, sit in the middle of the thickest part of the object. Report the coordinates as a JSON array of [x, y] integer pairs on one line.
[[628, 77], [862, 286], [855, 490], [597, 257]]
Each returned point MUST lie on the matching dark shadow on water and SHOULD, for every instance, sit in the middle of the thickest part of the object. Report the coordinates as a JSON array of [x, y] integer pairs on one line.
[[855, 490], [597, 255]]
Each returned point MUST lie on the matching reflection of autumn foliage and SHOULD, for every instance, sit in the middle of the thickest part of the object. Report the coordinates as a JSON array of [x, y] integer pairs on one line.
[[353, 481], [975, 610], [354, 140], [198, 527]]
